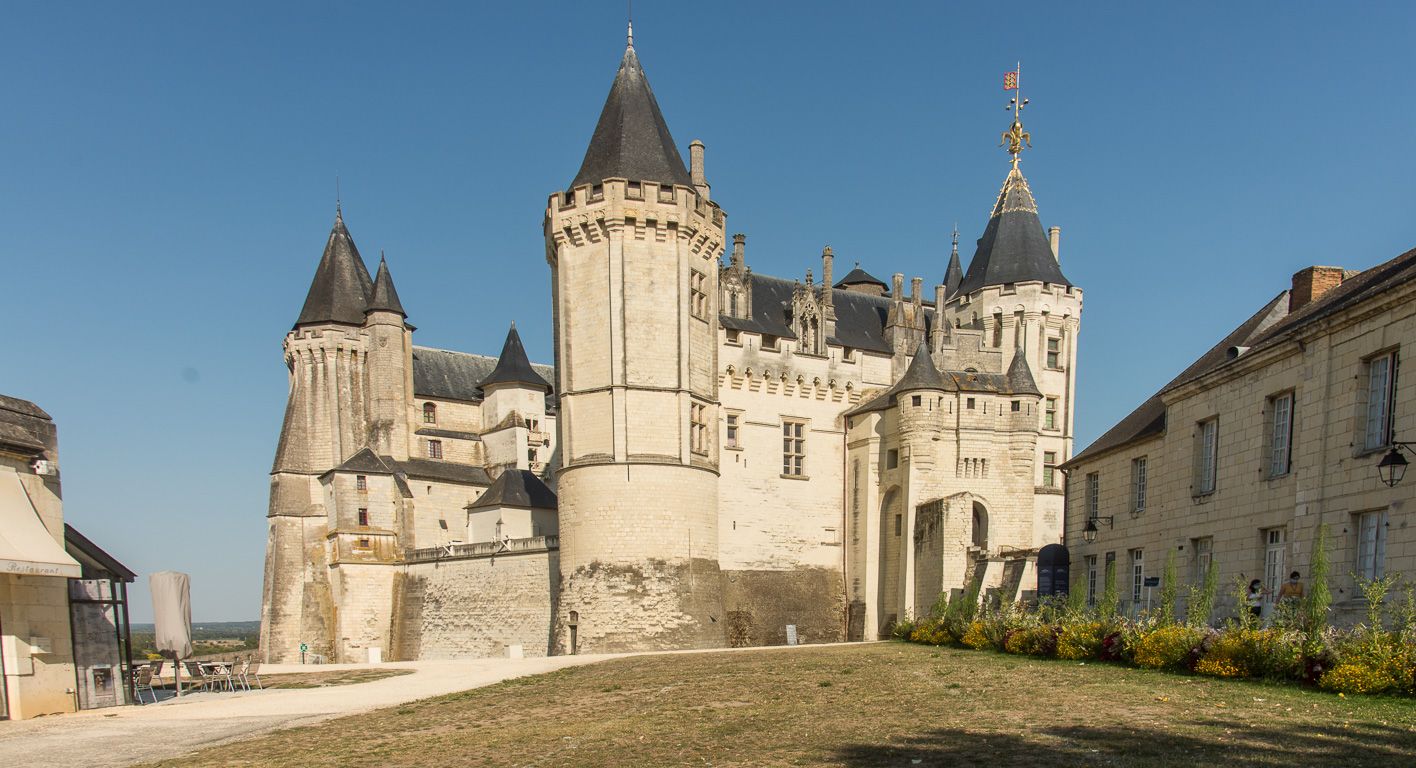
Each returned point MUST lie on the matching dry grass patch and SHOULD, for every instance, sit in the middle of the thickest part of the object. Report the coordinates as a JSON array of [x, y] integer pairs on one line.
[[862, 705], [328, 679]]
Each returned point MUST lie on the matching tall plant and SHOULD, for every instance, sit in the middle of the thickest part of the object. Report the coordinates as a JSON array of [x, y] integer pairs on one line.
[[1201, 600], [1109, 597], [1076, 601], [1315, 605], [1169, 589]]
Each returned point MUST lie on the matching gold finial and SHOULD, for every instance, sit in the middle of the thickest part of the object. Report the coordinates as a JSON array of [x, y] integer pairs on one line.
[[1015, 137]]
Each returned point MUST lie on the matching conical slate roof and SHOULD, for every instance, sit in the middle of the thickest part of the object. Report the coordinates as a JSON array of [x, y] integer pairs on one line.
[[1014, 248], [385, 296], [516, 488], [858, 276], [921, 374], [1020, 378], [341, 289], [631, 140], [513, 367], [954, 275]]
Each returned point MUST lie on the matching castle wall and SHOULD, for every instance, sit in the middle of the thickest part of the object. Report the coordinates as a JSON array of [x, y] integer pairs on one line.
[[476, 605]]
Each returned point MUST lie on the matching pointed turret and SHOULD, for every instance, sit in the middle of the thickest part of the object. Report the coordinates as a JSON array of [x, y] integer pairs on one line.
[[385, 296], [513, 367], [954, 275], [1020, 378], [631, 140], [921, 374], [341, 290], [1014, 248]]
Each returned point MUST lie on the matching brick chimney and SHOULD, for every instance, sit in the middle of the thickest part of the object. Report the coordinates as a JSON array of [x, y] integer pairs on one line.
[[1311, 283]]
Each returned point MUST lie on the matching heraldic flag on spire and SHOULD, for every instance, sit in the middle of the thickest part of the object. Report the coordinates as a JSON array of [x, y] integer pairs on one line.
[[1010, 81]]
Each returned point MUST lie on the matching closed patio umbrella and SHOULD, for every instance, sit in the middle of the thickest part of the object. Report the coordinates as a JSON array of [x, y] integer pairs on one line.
[[172, 616]]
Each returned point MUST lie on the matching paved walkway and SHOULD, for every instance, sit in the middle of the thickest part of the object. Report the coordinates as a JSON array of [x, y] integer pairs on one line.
[[122, 736]]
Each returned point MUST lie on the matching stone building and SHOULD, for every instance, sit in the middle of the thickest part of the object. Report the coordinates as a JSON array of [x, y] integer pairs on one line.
[[717, 457], [1277, 429], [37, 674]]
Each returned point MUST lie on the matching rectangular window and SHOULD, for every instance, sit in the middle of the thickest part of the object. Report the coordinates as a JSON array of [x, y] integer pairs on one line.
[[1091, 579], [1281, 439], [1138, 574], [997, 329], [1049, 469], [1054, 352], [915, 400], [1371, 545], [698, 427], [531, 455], [1381, 383], [1093, 493], [1016, 406], [363, 543], [698, 283], [1049, 415], [1204, 550], [1138, 485], [732, 431], [969, 404], [793, 448], [899, 524], [363, 517], [892, 458], [1208, 433], [361, 483], [435, 449]]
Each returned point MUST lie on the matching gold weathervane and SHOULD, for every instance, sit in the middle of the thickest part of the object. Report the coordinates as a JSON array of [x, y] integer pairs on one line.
[[1015, 137]]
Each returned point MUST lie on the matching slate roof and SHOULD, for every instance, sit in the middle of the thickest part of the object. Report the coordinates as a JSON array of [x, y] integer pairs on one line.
[[860, 318], [365, 463], [1148, 420], [917, 376], [15, 436], [445, 374], [429, 469], [342, 288], [513, 367], [1020, 378], [632, 141], [954, 275], [921, 374], [385, 297], [858, 276], [516, 488], [1014, 248], [448, 433]]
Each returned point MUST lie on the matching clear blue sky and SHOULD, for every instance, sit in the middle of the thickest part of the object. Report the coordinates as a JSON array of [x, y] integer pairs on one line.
[[169, 170]]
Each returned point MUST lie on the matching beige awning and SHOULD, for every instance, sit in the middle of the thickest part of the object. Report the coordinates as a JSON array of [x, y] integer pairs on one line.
[[26, 547]]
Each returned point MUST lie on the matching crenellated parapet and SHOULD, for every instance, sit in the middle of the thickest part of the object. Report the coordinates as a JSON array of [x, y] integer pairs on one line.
[[643, 211]]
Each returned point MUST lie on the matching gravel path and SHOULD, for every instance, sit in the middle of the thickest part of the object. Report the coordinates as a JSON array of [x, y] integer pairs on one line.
[[122, 736]]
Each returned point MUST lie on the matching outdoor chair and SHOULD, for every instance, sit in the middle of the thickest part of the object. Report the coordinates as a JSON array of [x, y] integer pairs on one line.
[[197, 674], [145, 681], [252, 667], [236, 674], [157, 670]]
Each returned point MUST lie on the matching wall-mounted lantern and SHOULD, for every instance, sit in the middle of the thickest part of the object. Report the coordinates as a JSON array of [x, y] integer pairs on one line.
[[1089, 532]]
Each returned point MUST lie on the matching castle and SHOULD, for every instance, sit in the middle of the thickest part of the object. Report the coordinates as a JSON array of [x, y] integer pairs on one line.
[[716, 458]]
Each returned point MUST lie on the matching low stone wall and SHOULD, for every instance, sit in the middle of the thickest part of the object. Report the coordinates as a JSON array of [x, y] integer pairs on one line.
[[476, 600]]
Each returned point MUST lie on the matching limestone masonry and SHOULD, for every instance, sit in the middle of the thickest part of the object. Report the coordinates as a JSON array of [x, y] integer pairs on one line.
[[716, 458]]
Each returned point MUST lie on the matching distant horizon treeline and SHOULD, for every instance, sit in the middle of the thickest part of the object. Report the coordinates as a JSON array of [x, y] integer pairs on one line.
[[208, 637]]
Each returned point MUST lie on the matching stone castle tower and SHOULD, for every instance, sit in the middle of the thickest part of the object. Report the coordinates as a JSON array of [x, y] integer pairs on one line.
[[633, 247], [350, 389]]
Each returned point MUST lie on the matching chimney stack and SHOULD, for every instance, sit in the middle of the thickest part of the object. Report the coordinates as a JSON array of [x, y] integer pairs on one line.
[[695, 167], [1054, 237], [897, 286], [739, 241], [1311, 283]]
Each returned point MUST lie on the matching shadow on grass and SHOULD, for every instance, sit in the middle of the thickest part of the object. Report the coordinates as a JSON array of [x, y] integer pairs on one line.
[[1207, 742]]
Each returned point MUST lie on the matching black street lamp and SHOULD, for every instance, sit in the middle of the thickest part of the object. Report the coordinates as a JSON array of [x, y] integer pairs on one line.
[[1090, 530], [1393, 465]]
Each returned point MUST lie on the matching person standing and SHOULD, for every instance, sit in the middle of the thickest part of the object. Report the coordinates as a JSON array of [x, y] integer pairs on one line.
[[1255, 598], [1293, 588]]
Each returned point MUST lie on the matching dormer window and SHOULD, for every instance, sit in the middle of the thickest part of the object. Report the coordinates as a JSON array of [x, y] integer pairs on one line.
[[430, 413]]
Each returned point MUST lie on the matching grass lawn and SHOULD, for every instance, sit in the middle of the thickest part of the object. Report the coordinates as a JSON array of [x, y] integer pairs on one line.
[[327, 679], [882, 704]]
